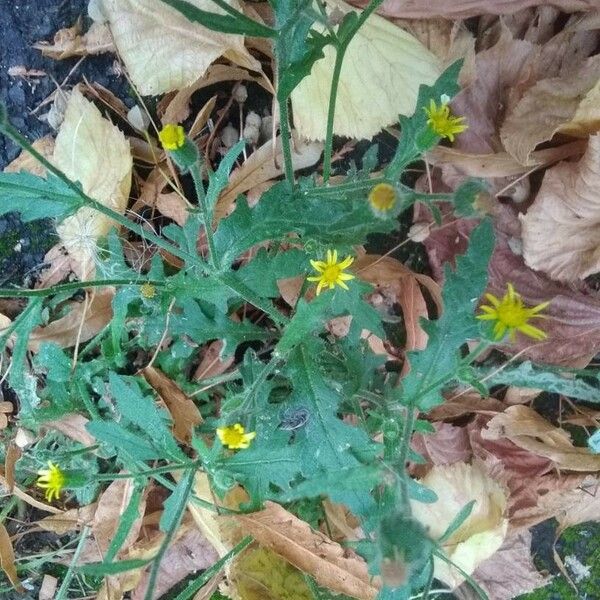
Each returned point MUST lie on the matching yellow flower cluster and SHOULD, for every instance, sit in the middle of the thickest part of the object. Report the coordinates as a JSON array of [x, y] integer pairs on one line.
[[172, 137], [235, 436], [442, 122], [331, 272], [52, 480]]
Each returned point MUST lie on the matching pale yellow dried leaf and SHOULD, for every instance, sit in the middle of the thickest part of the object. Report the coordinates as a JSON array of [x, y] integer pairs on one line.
[[484, 530], [91, 150], [26, 162], [529, 430], [332, 566], [71, 42], [380, 78], [565, 104], [567, 207], [74, 519], [162, 50]]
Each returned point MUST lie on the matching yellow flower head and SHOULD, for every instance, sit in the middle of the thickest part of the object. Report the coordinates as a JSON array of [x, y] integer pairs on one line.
[[511, 315], [382, 197], [234, 436], [52, 480], [442, 122], [331, 272], [172, 137], [148, 291]]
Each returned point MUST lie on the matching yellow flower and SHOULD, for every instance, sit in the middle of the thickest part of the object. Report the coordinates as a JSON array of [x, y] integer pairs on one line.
[[442, 122], [234, 436], [511, 315], [382, 197], [52, 480], [148, 291], [331, 273], [172, 137]]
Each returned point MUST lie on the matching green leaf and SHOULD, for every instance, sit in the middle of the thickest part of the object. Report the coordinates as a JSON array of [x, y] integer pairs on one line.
[[218, 180], [239, 23], [175, 505], [114, 434], [323, 445], [143, 412], [437, 364], [126, 521], [416, 135], [344, 220], [459, 519], [34, 197], [100, 569], [310, 317], [584, 384]]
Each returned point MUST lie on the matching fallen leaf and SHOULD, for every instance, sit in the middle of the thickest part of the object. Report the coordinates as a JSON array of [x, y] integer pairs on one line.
[[383, 69], [564, 104], [509, 573], [74, 519], [7, 559], [484, 530], [415, 9], [264, 164], [13, 454], [26, 162], [91, 150], [447, 445], [333, 567], [70, 42], [81, 324], [164, 51], [48, 588], [184, 412], [188, 553], [566, 204], [73, 426], [211, 364], [528, 430]]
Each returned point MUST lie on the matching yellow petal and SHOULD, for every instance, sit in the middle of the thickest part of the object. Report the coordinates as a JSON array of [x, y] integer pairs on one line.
[[318, 265], [533, 332], [493, 300], [346, 262], [346, 276]]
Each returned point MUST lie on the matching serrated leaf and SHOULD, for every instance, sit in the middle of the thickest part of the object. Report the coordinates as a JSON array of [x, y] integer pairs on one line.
[[175, 505], [35, 197], [545, 377], [102, 569], [462, 290], [114, 434], [335, 222], [143, 412]]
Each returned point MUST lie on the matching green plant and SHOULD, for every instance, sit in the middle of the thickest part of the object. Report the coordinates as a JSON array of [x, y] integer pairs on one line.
[[294, 382]]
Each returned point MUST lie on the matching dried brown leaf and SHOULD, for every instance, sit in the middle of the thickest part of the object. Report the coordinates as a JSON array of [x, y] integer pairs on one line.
[[332, 566], [7, 559], [568, 205], [528, 430], [415, 9], [70, 42], [447, 445], [82, 323], [564, 104], [73, 426], [264, 164], [184, 412], [74, 519], [26, 162], [509, 573]]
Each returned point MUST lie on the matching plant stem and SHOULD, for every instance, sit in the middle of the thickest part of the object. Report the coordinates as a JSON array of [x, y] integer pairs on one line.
[[64, 586], [201, 195], [285, 136], [75, 285], [341, 48], [409, 423]]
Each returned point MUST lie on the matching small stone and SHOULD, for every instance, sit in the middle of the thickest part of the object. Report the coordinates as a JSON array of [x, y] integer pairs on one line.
[[419, 232]]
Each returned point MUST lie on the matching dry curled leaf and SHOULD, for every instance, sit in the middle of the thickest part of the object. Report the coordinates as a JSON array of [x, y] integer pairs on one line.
[[528, 430], [568, 205], [91, 150], [164, 51], [565, 104], [74, 519], [481, 534], [383, 69], [7, 559], [70, 42], [332, 566], [82, 323], [509, 573], [416, 9]]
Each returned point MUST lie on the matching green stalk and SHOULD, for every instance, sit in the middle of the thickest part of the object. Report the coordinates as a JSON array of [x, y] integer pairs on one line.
[[284, 127], [201, 196], [342, 46], [73, 286], [409, 424]]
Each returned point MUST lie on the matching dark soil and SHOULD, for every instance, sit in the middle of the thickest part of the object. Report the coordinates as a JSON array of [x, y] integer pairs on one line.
[[23, 23]]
